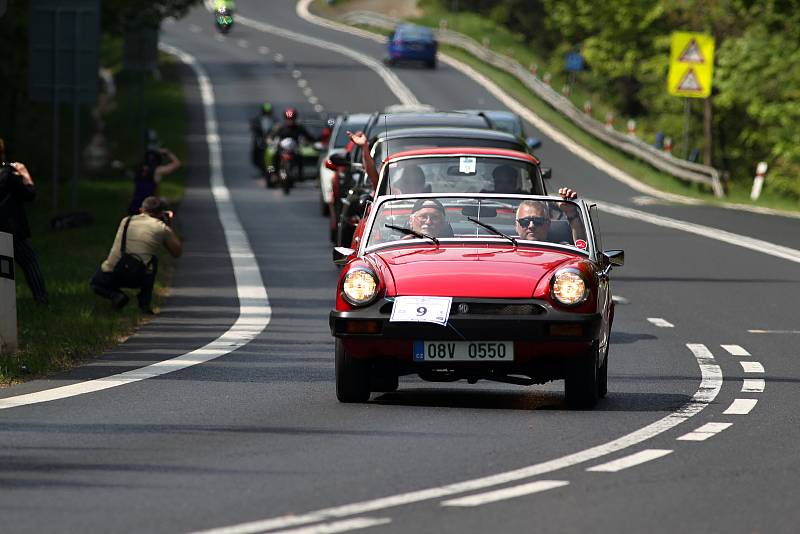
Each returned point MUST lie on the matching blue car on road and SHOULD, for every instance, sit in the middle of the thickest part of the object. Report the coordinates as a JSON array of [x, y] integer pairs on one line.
[[409, 42]]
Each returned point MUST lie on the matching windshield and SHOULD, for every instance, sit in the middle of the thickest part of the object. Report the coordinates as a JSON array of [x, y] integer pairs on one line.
[[432, 219], [348, 124], [507, 124], [385, 148], [460, 174]]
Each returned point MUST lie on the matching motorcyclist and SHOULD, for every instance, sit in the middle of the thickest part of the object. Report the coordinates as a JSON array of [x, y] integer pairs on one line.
[[291, 128], [260, 126], [223, 14]]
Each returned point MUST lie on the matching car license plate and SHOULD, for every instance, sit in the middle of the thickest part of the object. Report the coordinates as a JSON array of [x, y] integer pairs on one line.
[[463, 351]]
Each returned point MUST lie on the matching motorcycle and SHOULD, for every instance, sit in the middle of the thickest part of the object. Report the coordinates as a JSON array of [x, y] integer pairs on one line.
[[260, 128], [223, 19], [289, 164]]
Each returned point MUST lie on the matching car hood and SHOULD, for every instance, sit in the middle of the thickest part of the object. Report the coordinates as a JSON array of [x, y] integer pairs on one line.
[[470, 271]]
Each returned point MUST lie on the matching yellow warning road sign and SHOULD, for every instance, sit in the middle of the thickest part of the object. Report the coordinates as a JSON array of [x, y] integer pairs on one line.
[[691, 64]]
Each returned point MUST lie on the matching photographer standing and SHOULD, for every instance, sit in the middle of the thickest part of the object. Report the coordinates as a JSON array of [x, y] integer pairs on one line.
[[156, 164], [144, 235], [16, 188]]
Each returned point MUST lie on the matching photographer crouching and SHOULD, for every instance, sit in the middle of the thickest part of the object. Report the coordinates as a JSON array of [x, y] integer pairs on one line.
[[133, 260]]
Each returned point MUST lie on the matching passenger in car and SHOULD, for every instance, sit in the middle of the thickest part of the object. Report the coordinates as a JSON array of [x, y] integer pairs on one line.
[[505, 180], [533, 218], [412, 180]]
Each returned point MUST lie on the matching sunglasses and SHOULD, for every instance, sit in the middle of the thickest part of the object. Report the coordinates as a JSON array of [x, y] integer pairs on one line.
[[428, 216], [526, 221]]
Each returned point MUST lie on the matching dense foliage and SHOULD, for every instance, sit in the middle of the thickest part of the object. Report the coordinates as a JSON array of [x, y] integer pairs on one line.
[[756, 97]]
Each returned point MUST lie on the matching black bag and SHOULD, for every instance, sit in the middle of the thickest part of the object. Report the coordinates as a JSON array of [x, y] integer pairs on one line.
[[130, 270]]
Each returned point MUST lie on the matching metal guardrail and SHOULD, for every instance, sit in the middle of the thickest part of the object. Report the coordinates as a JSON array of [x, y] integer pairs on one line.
[[685, 170]]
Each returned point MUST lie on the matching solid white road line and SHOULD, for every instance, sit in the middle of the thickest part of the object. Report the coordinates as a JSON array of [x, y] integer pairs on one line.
[[661, 323], [710, 384], [506, 493], [758, 245], [741, 407], [735, 350], [338, 526], [254, 308], [752, 367], [704, 432], [631, 460], [753, 385]]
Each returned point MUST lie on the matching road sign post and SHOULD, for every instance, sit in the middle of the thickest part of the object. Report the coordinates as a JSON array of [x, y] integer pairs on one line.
[[691, 67], [8, 295]]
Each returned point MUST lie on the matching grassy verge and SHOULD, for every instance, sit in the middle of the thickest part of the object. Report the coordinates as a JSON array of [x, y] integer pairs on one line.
[[506, 42], [77, 324]]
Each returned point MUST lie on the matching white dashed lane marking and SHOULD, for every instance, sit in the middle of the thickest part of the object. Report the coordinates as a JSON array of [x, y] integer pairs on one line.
[[278, 58], [506, 493], [661, 323], [752, 367], [319, 108], [735, 350], [313, 100], [194, 28], [296, 74], [774, 331], [263, 50], [741, 407], [242, 43], [704, 432], [753, 385], [631, 460]]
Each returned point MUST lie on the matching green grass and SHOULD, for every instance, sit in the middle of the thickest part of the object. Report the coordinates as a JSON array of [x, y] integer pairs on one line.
[[77, 324]]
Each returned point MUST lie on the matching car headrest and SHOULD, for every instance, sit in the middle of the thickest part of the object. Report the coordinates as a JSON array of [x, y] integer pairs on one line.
[[559, 232]]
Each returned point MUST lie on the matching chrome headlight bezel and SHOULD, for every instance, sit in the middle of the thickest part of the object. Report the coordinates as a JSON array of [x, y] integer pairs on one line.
[[575, 276], [360, 271]]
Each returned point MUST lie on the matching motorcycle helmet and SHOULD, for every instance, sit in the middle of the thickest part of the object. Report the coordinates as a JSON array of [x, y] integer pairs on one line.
[[290, 114], [266, 107]]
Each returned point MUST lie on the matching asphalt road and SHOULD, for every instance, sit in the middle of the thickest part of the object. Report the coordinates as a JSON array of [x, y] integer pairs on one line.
[[257, 435]]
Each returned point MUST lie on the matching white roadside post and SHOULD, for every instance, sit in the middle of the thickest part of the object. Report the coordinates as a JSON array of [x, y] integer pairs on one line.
[[758, 181], [8, 295]]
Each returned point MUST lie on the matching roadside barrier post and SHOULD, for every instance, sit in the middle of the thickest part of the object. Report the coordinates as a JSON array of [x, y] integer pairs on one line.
[[534, 68], [631, 127], [668, 145], [8, 295], [587, 107], [546, 78], [609, 121], [758, 181]]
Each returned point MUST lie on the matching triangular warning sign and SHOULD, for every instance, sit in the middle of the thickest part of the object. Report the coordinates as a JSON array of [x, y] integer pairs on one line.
[[692, 53], [689, 83]]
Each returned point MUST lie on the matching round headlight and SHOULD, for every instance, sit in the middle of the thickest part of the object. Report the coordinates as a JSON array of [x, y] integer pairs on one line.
[[569, 287], [359, 286]]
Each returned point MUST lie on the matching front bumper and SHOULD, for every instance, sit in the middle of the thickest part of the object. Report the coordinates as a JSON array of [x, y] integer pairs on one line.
[[540, 332]]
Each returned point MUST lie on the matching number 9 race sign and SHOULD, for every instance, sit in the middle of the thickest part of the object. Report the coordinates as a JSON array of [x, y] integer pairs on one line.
[[421, 309]]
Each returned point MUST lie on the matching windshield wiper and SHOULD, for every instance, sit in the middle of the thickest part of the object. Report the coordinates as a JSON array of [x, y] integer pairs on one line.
[[493, 230], [409, 231]]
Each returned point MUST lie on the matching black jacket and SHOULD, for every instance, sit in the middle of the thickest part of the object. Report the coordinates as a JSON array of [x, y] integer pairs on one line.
[[13, 195]]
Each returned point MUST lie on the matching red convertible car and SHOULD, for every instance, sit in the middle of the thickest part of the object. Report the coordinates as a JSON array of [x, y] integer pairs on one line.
[[478, 286]]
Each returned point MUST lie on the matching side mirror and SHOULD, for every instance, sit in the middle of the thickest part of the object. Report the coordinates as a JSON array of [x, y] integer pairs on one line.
[[547, 173], [342, 254], [615, 257], [533, 143]]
